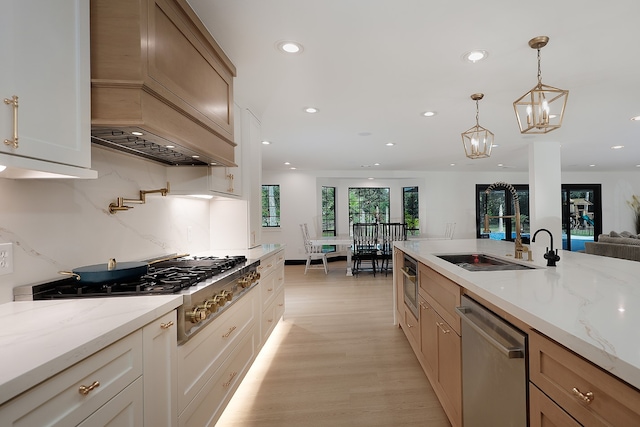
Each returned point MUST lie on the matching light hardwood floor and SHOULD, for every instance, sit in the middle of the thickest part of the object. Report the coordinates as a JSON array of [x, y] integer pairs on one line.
[[335, 360]]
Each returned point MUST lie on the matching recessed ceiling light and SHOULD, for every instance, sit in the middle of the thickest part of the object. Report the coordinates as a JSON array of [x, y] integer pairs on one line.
[[592, 166], [475, 55], [292, 168], [287, 163], [289, 46], [429, 113], [136, 133], [266, 142], [195, 157], [311, 110], [170, 146], [371, 178], [617, 147], [452, 164], [376, 164], [636, 118], [390, 144], [213, 163]]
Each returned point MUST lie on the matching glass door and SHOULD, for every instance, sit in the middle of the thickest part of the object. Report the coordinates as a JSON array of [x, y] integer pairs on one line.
[[581, 215]]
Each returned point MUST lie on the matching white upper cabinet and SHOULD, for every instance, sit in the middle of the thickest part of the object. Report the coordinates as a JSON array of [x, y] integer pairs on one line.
[[45, 53]]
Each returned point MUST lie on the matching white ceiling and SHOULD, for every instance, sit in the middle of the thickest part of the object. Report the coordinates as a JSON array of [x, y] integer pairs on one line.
[[373, 66]]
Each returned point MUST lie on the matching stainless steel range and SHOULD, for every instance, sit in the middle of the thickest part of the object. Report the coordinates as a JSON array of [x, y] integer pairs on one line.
[[209, 285]]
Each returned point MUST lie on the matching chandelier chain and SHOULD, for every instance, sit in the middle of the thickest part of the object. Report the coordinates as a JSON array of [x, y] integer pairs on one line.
[[477, 114], [539, 72]]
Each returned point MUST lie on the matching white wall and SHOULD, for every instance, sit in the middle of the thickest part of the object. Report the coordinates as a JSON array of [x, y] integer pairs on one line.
[[64, 224], [444, 197]]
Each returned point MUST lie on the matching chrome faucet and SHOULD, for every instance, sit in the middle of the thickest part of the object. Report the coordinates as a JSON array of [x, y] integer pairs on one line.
[[551, 256], [520, 248]]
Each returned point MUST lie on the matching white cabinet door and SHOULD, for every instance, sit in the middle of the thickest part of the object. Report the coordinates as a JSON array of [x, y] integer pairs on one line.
[[159, 347], [252, 177], [45, 51]]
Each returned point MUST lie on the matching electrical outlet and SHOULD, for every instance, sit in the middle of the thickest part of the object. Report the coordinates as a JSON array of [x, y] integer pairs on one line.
[[6, 258]]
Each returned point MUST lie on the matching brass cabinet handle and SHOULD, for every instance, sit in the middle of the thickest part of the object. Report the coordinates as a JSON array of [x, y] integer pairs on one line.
[[585, 397], [84, 390], [231, 329], [166, 325], [441, 326], [424, 307], [231, 377], [14, 102], [409, 325]]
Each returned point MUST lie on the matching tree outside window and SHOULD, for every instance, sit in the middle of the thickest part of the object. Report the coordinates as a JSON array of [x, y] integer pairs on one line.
[[410, 208], [368, 205], [271, 206]]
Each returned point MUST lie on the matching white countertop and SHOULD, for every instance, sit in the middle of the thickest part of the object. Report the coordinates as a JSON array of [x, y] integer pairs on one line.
[[41, 338], [588, 303]]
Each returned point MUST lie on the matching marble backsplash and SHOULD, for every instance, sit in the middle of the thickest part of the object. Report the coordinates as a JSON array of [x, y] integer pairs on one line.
[[64, 224]]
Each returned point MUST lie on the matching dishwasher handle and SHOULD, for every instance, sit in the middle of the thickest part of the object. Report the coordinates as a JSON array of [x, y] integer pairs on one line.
[[509, 352]]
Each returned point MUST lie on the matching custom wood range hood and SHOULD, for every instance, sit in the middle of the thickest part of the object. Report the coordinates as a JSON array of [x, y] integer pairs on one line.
[[161, 87]]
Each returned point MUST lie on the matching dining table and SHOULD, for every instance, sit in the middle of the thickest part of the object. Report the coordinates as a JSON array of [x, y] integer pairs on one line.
[[343, 241]]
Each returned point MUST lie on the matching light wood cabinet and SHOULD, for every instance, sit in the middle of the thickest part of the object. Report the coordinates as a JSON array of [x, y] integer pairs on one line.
[[590, 395], [543, 412], [140, 80], [45, 47], [160, 376], [398, 284]]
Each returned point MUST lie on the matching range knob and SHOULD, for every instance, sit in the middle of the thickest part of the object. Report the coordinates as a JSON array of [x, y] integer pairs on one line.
[[197, 314], [222, 300], [243, 282], [226, 295], [211, 305]]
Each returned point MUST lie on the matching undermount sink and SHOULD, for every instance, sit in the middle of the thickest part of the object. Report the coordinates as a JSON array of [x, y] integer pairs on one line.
[[483, 262]]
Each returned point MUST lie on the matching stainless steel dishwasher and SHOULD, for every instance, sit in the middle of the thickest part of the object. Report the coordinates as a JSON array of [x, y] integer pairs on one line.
[[494, 372]]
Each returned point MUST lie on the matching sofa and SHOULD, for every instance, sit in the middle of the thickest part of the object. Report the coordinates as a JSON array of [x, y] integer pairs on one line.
[[622, 245]]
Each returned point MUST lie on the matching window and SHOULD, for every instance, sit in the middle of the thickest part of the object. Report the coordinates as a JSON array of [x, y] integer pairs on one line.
[[410, 210], [500, 207], [368, 205], [328, 211], [271, 206]]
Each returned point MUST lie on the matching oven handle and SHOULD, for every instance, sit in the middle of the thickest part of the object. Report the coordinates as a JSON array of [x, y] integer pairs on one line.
[[509, 352], [409, 276]]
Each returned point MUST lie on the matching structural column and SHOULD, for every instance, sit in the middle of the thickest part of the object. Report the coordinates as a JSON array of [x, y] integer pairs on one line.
[[545, 186]]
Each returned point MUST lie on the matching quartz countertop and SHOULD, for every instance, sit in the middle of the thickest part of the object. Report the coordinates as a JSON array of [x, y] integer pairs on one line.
[[41, 338], [588, 303]]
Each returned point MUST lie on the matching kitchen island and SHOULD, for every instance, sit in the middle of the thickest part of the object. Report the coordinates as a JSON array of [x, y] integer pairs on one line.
[[587, 304]]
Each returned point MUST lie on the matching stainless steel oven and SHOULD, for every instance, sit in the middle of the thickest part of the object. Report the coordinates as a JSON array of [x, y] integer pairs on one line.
[[410, 283]]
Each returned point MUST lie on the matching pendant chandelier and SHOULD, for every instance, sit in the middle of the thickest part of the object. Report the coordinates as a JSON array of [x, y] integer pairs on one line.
[[477, 141], [540, 110]]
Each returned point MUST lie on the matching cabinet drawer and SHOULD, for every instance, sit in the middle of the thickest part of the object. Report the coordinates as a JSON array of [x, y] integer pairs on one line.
[[209, 403], [442, 293], [272, 314], [267, 265], [124, 410], [58, 401], [543, 412], [203, 354], [267, 289], [412, 328], [557, 371]]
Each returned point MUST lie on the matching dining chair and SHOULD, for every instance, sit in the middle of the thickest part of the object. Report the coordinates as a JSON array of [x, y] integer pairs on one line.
[[389, 233], [365, 246], [312, 252]]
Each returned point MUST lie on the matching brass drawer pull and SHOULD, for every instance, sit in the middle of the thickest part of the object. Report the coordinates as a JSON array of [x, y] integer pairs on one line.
[[14, 102], [409, 325], [231, 377], [84, 390], [166, 325], [231, 329], [441, 326], [586, 397]]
